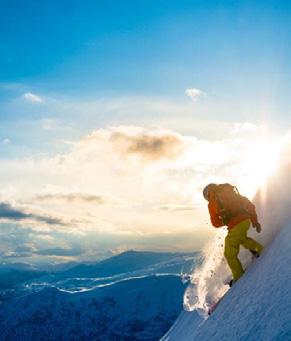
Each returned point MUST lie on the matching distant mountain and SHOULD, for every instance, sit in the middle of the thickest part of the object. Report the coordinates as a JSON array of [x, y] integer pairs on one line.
[[16, 266], [130, 261], [56, 267], [12, 275], [9, 278], [138, 300]]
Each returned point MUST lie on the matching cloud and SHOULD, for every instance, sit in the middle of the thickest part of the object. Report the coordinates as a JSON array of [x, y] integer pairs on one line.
[[5, 141], [18, 241], [243, 127], [26, 250], [194, 93], [71, 197], [156, 175], [62, 252], [31, 97], [136, 168], [10, 213], [30, 246], [175, 207], [147, 144]]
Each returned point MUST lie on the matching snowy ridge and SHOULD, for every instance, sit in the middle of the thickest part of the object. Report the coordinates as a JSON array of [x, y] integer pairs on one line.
[[258, 307]]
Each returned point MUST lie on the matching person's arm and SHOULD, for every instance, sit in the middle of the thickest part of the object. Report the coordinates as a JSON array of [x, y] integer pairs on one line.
[[216, 220], [251, 209]]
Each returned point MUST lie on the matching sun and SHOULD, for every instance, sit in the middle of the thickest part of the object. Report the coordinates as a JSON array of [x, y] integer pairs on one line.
[[258, 163]]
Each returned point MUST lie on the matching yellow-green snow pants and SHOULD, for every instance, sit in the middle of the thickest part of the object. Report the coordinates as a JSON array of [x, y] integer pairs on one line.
[[238, 236]]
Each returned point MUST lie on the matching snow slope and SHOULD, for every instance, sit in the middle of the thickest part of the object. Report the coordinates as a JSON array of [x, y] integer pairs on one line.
[[258, 307]]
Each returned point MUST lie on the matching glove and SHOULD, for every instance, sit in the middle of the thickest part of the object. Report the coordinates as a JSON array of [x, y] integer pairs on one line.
[[258, 227]]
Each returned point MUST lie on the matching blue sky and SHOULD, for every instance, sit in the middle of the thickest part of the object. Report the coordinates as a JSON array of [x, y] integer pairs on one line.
[[152, 47], [236, 52], [195, 77]]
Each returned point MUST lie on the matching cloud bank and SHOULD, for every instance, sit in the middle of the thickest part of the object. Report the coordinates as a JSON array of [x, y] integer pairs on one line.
[[122, 186]]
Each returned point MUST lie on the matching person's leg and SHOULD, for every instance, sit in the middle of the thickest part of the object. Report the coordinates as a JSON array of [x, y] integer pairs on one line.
[[231, 250], [249, 243], [236, 237], [253, 245]]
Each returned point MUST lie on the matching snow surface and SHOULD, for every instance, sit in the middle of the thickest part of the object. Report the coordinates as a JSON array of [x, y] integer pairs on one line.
[[258, 307]]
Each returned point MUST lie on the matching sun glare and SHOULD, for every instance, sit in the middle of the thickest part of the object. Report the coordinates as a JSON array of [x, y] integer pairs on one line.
[[258, 164]]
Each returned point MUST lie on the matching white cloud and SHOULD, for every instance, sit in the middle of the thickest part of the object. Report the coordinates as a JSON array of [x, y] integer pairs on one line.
[[5, 141], [194, 93], [174, 207], [151, 180], [31, 97], [243, 127]]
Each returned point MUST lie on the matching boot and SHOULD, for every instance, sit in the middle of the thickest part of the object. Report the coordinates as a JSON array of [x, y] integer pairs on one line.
[[255, 253]]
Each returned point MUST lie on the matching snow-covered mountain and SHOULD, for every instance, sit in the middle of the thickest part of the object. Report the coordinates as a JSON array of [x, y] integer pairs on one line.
[[258, 306], [136, 309], [132, 296], [129, 261]]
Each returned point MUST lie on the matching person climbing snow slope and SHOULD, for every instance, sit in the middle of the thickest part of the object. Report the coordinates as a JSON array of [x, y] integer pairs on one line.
[[227, 207]]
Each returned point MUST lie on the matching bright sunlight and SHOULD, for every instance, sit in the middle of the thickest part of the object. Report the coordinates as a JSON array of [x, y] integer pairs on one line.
[[258, 164]]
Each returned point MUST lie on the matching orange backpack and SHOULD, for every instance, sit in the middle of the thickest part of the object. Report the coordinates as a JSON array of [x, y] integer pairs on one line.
[[229, 201]]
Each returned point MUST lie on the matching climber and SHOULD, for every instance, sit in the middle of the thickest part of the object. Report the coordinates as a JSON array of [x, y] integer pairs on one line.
[[227, 207]]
